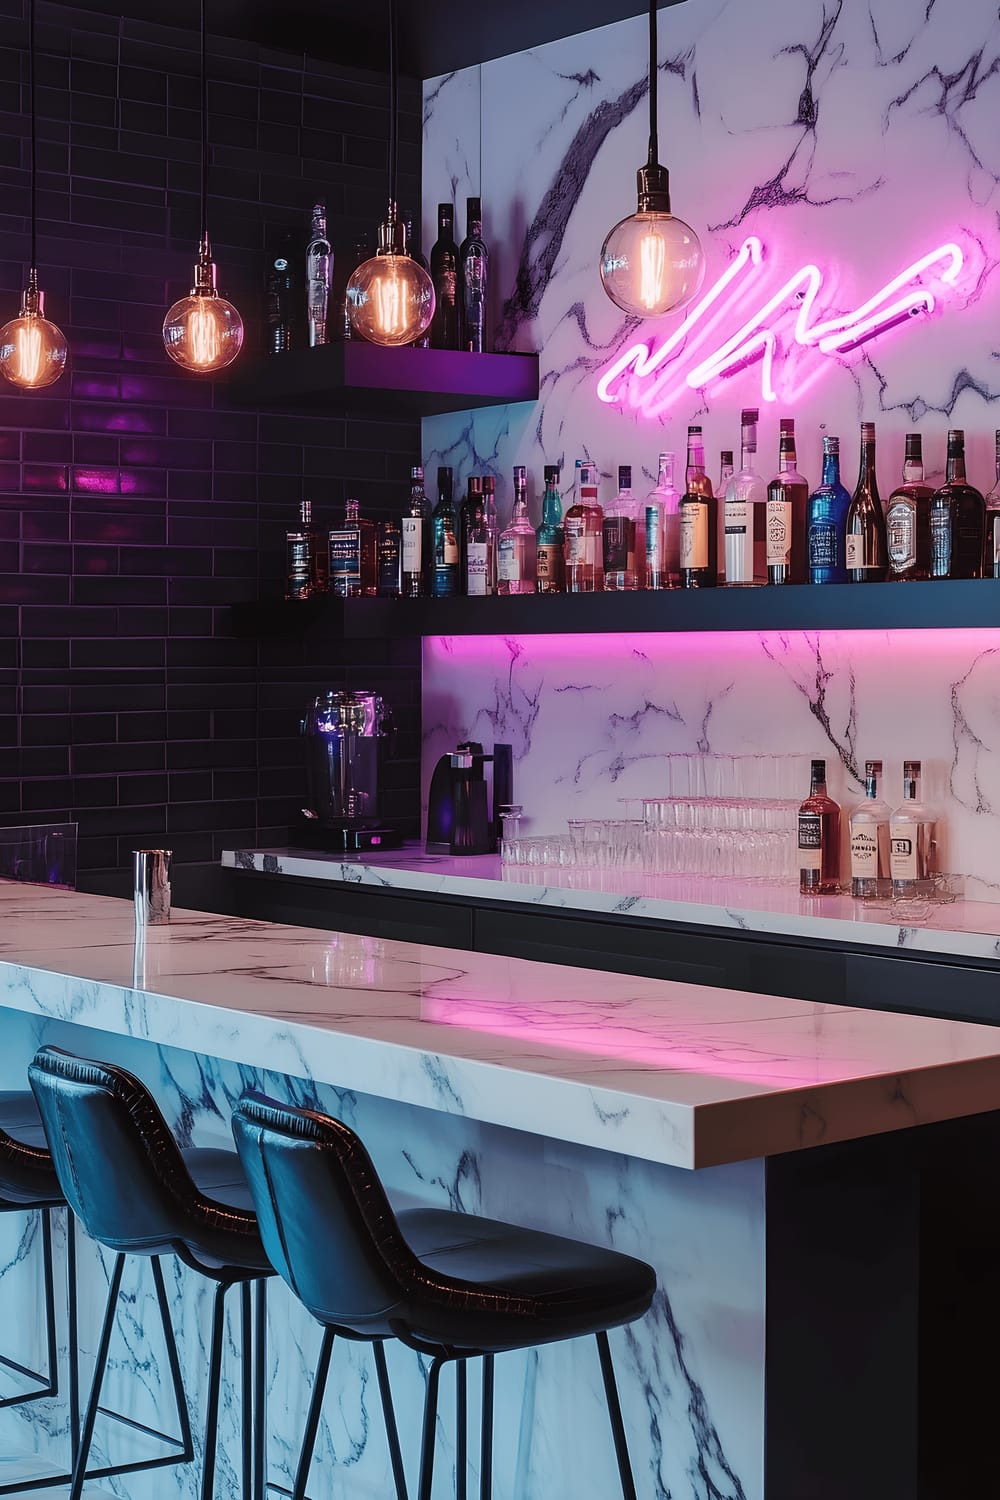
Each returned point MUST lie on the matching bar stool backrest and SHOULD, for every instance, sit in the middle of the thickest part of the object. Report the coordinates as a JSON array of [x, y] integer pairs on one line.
[[116, 1160], [323, 1215]]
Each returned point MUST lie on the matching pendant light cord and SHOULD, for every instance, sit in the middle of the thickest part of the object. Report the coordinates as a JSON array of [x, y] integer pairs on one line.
[[393, 103], [34, 136], [204, 130], [654, 147]]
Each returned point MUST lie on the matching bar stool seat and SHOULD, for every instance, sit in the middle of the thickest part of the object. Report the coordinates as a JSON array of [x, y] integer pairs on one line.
[[27, 1176], [451, 1285]]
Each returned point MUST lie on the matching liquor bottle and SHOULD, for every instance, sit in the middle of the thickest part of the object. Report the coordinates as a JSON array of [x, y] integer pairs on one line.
[[279, 302], [304, 571], [477, 544], [516, 561], [359, 255], [867, 551], [550, 538], [993, 521], [492, 531], [352, 554], [745, 513], [819, 838], [870, 838], [445, 577], [582, 529], [826, 521], [663, 528], [785, 513], [958, 519], [725, 475], [319, 275], [907, 518], [389, 559], [698, 510], [473, 501], [624, 538], [444, 274], [912, 839], [417, 540], [473, 271]]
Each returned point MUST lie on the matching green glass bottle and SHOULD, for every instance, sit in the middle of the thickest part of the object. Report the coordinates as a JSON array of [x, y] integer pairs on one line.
[[550, 560]]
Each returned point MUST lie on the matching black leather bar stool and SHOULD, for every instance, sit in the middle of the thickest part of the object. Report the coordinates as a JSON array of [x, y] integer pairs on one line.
[[450, 1285], [137, 1193]]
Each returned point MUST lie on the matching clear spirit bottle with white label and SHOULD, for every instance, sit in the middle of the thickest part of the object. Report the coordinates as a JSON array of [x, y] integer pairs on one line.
[[582, 528], [819, 838], [516, 547], [418, 541], [624, 549], [663, 529], [870, 838], [913, 839], [744, 513]]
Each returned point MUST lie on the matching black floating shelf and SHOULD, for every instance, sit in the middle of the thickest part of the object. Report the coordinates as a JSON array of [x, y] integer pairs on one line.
[[885, 606], [415, 382]]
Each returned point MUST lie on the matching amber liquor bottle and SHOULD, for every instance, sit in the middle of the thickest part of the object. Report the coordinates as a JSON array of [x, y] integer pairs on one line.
[[698, 510], [819, 838], [958, 519], [867, 553]]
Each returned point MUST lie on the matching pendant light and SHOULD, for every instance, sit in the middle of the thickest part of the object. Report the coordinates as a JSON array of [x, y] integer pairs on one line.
[[33, 351], [203, 332], [652, 262], [390, 298]]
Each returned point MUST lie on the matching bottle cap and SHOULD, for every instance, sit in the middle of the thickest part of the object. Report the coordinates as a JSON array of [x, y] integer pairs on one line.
[[914, 445], [520, 473], [444, 478], [726, 456], [446, 211], [748, 415], [819, 770], [873, 768], [417, 472], [692, 431], [786, 426], [474, 208], [475, 485], [868, 431], [624, 476], [911, 769], [831, 445], [552, 472], [305, 511], [489, 484]]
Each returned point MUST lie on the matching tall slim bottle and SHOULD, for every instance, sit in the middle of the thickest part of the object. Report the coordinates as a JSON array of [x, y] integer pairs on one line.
[[993, 521], [352, 554], [907, 518], [446, 323], [305, 573], [624, 538], [473, 501], [477, 544], [418, 540], [445, 578], [516, 560], [726, 470], [826, 521], [492, 531], [699, 540], [550, 538], [867, 549], [958, 519], [280, 317], [913, 839], [414, 252], [745, 512], [663, 528], [582, 529], [319, 276], [870, 838], [473, 271], [787, 493], [819, 837], [360, 253]]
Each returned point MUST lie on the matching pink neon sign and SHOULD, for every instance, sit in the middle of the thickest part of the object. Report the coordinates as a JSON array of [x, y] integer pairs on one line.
[[647, 377]]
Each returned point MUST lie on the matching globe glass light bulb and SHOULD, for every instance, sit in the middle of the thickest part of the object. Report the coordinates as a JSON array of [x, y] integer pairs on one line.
[[203, 332], [652, 263], [390, 298], [33, 351]]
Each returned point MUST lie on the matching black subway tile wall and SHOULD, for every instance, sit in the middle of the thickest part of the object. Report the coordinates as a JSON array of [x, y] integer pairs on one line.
[[137, 503]]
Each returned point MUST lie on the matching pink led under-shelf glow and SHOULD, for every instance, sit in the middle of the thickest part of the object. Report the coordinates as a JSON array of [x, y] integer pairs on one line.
[[650, 377]]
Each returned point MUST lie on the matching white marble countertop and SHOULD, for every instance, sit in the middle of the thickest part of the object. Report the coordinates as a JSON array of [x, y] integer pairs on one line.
[[688, 1075], [969, 929]]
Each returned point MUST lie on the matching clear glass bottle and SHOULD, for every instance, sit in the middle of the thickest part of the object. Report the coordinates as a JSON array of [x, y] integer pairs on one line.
[[725, 475], [319, 276], [867, 550], [912, 840], [826, 521], [663, 528], [303, 574], [445, 325], [361, 253], [423, 341], [745, 513], [993, 520], [907, 518], [477, 544], [417, 540], [582, 528], [473, 271], [699, 539], [550, 538], [516, 563], [870, 838], [445, 578], [389, 558], [624, 539], [957, 518], [819, 838], [352, 552], [787, 495]]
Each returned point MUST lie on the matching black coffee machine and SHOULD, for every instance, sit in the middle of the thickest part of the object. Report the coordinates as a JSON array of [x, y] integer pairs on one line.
[[458, 814]]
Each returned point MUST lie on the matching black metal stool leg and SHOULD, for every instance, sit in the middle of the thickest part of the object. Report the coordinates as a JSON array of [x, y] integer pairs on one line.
[[47, 1384], [486, 1457], [86, 1436], [260, 1391], [214, 1383], [430, 1430], [173, 1360], [72, 1336], [246, 1371], [461, 1430], [315, 1411], [389, 1414], [615, 1413]]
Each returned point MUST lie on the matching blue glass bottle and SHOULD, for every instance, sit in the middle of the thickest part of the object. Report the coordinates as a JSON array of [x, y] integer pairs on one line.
[[826, 521], [445, 577]]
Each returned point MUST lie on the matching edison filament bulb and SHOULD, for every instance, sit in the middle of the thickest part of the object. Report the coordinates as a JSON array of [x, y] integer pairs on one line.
[[33, 351], [390, 298], [203, 332]]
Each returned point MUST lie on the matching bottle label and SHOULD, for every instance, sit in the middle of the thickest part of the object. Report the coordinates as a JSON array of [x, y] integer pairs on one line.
[[779, 532], [993, 543], [735, 515], [581, 544], [449, 550], [901, 534], [864, 853], [810, 841], [653, 562], [548, 562], [507, 561], [694, 534], [445, 287], [345, 560], [941, 542], [475, 568], [855, 550], [822, 545], [903, 851], [619, 544], [413, 537]]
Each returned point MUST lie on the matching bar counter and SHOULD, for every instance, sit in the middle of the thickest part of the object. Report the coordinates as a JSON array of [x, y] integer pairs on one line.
[[761, 1153]]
